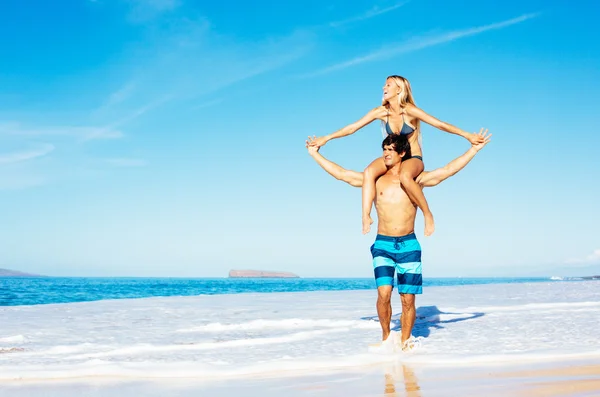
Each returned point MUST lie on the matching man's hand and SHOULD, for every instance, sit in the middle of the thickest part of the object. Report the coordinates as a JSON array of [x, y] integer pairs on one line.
[[318, 142], [484, 139], [475, 138], [312, 149]]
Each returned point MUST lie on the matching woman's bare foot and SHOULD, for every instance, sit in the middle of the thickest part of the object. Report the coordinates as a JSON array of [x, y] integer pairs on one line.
[[429, 225], [366, 224]]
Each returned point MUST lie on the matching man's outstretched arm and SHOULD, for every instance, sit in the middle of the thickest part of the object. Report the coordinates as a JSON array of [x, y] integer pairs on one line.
[[432, 178], [351, 177]]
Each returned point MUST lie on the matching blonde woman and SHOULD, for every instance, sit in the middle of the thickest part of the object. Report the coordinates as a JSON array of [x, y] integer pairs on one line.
[[399, 115]]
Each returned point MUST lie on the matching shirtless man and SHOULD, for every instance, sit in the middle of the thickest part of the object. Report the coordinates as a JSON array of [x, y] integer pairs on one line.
[[396, 249]]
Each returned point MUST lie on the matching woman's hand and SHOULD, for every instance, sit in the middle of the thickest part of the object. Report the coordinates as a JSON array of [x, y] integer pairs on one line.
[[476, 139], [318, 142]]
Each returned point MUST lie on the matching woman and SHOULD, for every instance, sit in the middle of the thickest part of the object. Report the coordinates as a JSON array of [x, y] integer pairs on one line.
[[400, 115]]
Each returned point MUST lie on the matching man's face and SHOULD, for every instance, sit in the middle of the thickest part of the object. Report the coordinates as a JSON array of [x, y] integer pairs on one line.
[[390, 156]]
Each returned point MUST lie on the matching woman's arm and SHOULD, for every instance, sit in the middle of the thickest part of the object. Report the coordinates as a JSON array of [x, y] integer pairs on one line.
[[441, 125], [350, 129]]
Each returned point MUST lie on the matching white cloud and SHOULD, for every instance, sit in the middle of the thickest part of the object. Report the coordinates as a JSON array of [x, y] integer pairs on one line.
[[591, 259], [190, 60], [394, 49], [119, 96], [24, 155], [373, 12], [77, 132], [185, 60]]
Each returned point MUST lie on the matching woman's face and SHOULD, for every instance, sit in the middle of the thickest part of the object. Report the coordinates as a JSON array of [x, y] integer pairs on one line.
[[390, 89]]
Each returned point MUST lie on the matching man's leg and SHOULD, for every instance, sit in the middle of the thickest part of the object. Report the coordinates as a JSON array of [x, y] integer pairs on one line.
[[409, 315], [384, 269], [384, 309], [410, 281]]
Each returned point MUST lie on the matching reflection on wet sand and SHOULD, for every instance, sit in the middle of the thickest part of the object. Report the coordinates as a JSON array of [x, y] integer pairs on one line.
[[411, 383]]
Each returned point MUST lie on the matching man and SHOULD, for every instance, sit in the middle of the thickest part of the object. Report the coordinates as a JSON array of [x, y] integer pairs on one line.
[[396, 248]]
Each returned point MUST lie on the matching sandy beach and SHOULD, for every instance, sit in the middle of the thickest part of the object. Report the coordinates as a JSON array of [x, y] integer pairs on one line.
[[549, 379]]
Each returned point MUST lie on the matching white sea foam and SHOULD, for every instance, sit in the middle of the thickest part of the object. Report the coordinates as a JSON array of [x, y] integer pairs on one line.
[[13, 339], [218, 336], [287, 324]]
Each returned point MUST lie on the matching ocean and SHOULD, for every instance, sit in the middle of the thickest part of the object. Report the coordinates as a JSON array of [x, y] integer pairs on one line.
[[35, 291]]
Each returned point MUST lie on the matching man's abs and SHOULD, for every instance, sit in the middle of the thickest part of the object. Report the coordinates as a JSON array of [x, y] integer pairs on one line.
[[395, 218], [395, 227]]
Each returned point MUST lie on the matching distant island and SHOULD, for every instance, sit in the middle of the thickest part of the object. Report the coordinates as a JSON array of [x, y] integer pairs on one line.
[[14, 273], [260, 274], [591, 278]]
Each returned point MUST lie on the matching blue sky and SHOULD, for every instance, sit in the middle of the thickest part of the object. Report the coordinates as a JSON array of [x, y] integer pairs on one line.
[[166, 137]]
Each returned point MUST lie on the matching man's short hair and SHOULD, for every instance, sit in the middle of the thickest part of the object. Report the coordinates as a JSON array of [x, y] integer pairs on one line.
[[399, 142]]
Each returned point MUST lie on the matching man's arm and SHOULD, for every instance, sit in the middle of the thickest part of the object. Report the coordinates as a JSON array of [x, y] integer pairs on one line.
[[351, 177], [432, 178]]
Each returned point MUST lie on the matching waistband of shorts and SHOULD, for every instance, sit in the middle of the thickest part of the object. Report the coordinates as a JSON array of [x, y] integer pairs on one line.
[[410, 236]]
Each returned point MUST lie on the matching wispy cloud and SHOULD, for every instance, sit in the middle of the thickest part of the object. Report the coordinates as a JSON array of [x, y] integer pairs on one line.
[[186, 60], [392, 50], [373, 12], [117, 97], [104, 132], [126, 162], [24, 155], [82, 133], [78, 132], [591, 259], [191, 60], [208, 103]]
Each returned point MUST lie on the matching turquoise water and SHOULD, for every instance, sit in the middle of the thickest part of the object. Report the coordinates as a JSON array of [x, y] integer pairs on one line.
[[16, 291]]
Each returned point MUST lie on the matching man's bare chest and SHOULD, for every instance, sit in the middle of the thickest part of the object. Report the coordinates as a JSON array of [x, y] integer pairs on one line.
[[389, 189]]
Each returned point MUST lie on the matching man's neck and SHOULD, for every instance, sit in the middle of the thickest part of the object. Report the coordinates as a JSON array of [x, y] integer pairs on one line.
[[394, 170]]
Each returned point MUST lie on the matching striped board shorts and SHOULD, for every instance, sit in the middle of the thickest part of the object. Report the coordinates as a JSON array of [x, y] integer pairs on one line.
[[401, 255]]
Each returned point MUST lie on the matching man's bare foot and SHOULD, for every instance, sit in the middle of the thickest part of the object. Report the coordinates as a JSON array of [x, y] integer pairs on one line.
[[386, 346], [366, 224], [410, 344], [429, 225]]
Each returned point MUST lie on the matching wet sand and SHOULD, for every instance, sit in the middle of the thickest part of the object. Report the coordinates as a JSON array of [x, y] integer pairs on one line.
[[533, 379]]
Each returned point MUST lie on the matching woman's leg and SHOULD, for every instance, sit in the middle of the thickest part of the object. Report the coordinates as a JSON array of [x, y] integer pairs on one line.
[[409, 170], [372, 172]]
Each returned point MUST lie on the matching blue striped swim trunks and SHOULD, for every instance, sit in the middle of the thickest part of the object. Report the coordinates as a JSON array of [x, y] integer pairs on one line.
[[401, 255]]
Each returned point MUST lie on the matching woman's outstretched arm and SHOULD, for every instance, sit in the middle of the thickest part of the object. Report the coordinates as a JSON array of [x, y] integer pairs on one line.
[[350, 129], [442, 125]]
